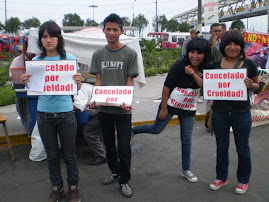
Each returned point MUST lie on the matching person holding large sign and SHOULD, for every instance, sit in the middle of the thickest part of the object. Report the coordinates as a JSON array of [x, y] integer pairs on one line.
[[180, 91], [56, 116], [116, 65], [232, 111]]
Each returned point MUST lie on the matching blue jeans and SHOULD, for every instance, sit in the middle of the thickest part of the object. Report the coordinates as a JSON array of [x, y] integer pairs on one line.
[[64, 124], [241, 124], [186, 128], [118, 158], [158, 126]]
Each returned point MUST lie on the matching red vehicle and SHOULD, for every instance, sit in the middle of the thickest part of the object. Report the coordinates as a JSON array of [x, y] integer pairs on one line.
[[6, 44], [170, 39]]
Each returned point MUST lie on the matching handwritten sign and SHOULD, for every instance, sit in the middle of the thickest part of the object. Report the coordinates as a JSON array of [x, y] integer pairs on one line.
[[211, 11], [58, 77], [256, 38], [225, 84], [112, 95]]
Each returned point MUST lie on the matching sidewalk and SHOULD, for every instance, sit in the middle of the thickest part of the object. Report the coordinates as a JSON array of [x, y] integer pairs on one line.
[[146, 102]]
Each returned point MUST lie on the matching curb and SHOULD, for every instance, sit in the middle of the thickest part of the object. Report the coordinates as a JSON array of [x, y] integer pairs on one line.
[[23, 138]]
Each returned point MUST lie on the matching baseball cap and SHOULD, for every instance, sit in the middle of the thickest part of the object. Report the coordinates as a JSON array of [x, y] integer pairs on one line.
[[194, 30]]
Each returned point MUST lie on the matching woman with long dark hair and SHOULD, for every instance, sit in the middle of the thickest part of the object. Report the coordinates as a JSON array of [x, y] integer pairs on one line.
[[56, 116], [233, 113], [180, 91]]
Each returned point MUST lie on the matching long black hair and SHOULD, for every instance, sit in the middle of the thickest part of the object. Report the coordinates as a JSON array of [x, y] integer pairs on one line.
[[232, 36], [202, 46], [54, 30]]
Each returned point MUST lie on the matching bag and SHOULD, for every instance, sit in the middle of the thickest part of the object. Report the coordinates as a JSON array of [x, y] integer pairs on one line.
[[37, 152]]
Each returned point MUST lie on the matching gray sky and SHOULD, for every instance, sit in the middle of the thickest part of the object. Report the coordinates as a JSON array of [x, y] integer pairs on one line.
[[55, 10]]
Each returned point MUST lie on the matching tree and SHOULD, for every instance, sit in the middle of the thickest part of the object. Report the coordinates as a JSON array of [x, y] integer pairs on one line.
[[140, 22], [162, 23], [173, 26], [72, 20], [184, 27], [13, 25], [238, 24], [31, 22], [126, 21], [91, 23], [1, 26]]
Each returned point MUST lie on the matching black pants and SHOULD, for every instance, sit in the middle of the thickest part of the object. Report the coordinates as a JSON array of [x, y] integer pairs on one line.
[[119, 159]]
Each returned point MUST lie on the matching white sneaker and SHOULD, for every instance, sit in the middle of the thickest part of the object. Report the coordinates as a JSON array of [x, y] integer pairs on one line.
[[189, 176]]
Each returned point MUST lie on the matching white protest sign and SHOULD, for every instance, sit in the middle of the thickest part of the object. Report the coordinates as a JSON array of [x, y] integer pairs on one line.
[[211, 11], [183, 98], [58, 77], [225, 84], [112, 95]]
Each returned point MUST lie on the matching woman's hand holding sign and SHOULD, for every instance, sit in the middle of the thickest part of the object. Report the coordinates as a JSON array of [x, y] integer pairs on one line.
[[78, 79]]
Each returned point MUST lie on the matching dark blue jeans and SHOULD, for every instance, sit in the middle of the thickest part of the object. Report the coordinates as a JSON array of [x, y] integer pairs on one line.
[[64, 124], [158, 126], [186, 128], [118, 159], [241, 124]]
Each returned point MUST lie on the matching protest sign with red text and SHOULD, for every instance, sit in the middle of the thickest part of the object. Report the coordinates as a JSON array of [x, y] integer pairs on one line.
[[112, 95], [58, 77], [225, 84]]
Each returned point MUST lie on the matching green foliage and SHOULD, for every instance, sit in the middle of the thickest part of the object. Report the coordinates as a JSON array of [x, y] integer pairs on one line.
[[7, 95], [126, 21], [4, 74], [72, 20], [238, 24], [6, 56], [173, 26], [1, 26], [184, 27], [31, 22], [140, 22], [91, 23], [149, 46], [159, 61], [13, 25]]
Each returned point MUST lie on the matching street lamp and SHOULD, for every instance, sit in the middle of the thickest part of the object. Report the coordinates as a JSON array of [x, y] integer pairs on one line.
[[93, 6]]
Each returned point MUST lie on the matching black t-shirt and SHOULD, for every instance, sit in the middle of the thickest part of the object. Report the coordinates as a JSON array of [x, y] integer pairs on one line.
[[235, 106], [178, 78]]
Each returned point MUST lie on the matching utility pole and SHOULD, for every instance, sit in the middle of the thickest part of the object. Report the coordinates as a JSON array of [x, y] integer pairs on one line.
[[5, 12], [93, 6], [200, 15], [157, 16]]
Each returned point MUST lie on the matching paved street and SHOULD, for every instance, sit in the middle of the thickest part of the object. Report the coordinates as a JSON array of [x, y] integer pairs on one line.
[[155, 171]]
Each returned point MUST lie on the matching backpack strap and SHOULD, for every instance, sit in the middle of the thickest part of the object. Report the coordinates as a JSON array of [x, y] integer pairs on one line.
[[237, 64]]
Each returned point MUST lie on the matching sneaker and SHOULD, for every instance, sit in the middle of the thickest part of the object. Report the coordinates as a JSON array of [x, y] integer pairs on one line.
[[241, 188], [56, 194], [74, 195], [189, 176], [126, 190], [217, 184], [111, 178]]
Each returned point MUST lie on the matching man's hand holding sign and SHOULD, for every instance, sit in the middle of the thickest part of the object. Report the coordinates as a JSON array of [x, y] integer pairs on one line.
[[117, 96]]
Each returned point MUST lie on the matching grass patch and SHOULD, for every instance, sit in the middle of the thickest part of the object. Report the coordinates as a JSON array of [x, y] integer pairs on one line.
[[7, 95]]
